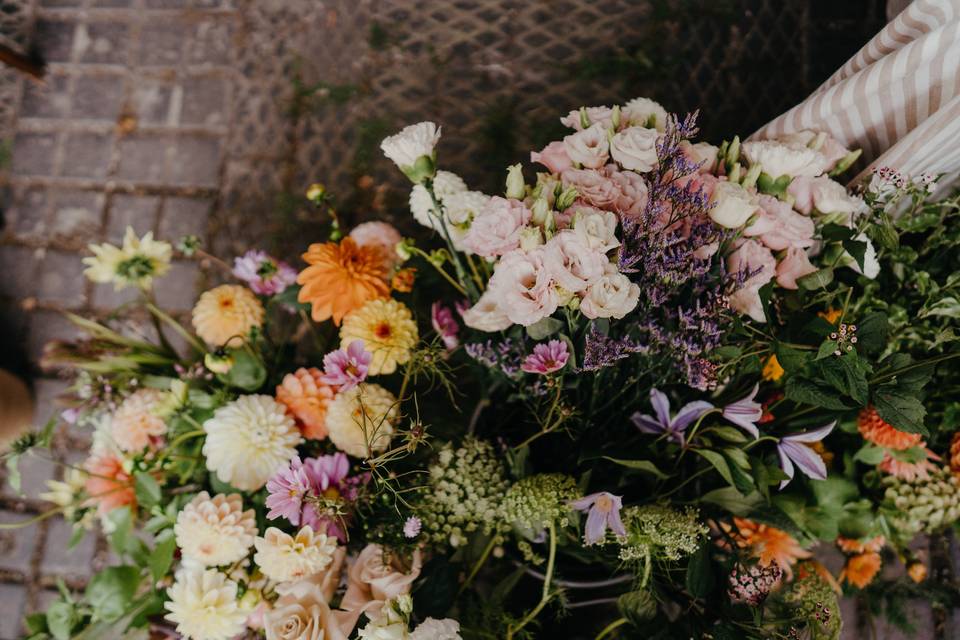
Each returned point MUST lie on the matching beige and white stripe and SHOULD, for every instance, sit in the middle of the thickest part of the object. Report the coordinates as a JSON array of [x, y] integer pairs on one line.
[[898, 98]]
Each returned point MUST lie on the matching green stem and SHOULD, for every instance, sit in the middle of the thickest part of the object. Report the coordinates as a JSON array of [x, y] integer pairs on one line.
[[545, 595], [478, 564], [456, 285], [607, 630], [178, 441], [466, 284], [915, 365]]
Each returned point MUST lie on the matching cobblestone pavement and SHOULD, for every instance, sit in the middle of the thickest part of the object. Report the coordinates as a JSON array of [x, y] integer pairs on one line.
[[209, 117]]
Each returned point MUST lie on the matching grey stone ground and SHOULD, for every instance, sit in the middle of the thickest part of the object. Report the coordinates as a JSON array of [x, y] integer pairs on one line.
[[209, 117]]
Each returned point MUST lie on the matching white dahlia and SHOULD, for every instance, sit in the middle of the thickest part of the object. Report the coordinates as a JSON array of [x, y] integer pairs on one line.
[[215, 531], [248, 440], [283, 557], [360, 421], [412, 143], [204, 606]]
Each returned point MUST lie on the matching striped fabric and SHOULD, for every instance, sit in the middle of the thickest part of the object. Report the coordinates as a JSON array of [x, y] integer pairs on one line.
[[898, 98]]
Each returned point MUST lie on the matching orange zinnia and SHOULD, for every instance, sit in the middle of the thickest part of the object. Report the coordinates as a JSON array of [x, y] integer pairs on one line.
[[873, 428], [341, 277], [861, 569], [769, 544], [108, 485], [306, 396]]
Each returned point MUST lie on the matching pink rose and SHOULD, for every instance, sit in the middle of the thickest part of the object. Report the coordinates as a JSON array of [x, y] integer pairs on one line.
[[593, 187], [589, 147], [572, 263], [753, 258], [554, 157], [795, 264], [779, 226], [486, 315], [496, 229], [702, 153], [371, 582], [632, 198], [603, 115], [522, 287]]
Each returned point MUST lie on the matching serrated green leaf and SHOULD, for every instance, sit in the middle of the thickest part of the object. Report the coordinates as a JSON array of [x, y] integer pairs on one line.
[[146, 489], [872, 333], [544, 328], [804, 391], [827, 348], [730, 499], [792, 360], [900, 408], [719, 463], [62, 617], [111, 591]]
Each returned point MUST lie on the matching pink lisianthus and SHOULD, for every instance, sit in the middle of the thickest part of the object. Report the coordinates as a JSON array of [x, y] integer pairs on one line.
[[345, 369], [754, 259], [446, 326], [496, 229], [487, 314], [547, 358], [823, 194], [522, 288], [603, 512], [778, 226], [795, 264], [632, 192], [593, 188], [590, 147], [263, 274], [287, 490], [602, 115], [572, 263], [554, 157]]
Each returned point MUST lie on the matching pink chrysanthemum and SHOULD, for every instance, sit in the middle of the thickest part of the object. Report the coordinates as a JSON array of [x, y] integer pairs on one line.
[[287, 491], [909, 471], [263, 274], [547, 358], [345, 369]]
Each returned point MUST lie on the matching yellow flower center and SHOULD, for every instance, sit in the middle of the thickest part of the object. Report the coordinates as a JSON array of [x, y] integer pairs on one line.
[[603, 504]]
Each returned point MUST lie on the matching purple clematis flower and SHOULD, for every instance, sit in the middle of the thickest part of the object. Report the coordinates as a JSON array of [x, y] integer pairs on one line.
[[745, 412], [603, 512], [793, 450], [673, 427]]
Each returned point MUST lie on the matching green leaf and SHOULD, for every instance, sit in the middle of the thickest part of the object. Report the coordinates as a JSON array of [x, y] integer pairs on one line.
[[827, 349], [13, 473], [61, 619], [719, 463], [146, 489], [247, 372], [637, 606], [700, 575], [900, 408], [857, 250], [816, 280], [872, 333], [729, 499], [162, 556], [122, 521], [639, 465], [948, 307], [730, 434], [792, 360], [870, 454], [36, 623], [111, 591], [804, 391], [544, 327], [834, 491], [833, 232], [848, 375]]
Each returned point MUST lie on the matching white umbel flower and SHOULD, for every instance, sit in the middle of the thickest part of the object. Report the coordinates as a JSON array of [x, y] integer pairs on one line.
[[445, 185], [360, 421], [215, 531], [433, 629], [248, 440], [412, 143], [204, 606], [283, 557]]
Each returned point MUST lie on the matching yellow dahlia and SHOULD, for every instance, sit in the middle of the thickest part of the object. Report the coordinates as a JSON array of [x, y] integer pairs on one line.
[[360, 421], [215, 531], [226, 314], [136, 424], [341, 277], [283, 557], [137, 262], [204, 606], [387, 330]]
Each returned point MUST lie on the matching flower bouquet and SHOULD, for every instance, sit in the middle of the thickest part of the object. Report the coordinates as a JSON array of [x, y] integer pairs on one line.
[[634, 395]]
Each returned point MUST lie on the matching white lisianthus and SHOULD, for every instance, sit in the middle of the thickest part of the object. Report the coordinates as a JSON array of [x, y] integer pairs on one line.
[[612, 296], [248, 440], [215, 531], [732, 205], [204, 606], [486, 314], [645, 112], [283, 557], [433, 629], [413, 144], [445, 185], [635, 148], [593, 115], [589, 147], [598, 228], [791, 159]]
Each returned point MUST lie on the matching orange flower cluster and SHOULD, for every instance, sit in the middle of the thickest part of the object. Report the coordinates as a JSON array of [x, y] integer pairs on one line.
[[874, 429], [768, 544], [342, 277], [955, 454], [306, 396], [862, 567]]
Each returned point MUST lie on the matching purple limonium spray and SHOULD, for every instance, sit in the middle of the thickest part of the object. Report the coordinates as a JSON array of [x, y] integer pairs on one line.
[[263, 274], [663, 424], [603, 512], [794, 450], [547, 358], [346, 369]]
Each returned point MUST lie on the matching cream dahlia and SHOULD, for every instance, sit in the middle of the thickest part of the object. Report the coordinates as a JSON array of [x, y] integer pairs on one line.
[[283, 557], [135, 423], [248, 440], [226, 314], [215, 531], [387, 329], [360, 421], [204, 606]]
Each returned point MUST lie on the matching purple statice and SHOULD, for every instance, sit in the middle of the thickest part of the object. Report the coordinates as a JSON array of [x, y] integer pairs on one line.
[[603, 512], [263, 274], [601, 351], [505, 355]]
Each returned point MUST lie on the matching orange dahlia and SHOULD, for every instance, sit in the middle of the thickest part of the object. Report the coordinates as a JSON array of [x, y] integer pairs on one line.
[[108, 485], [769, 544], [306, 397], [873, 428], [909, 471], [917, 571], [341, 277], [955, 453], [853, 545], [861, 569]]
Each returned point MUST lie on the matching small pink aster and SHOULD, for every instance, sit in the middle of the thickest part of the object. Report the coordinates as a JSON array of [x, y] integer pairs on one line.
[[347, 369], [287, 490], [411, 528], [445, 325], [547, 358], [263, 274]]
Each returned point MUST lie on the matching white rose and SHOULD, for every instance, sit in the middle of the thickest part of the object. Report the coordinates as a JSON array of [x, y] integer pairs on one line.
[[380, 631], [603, 115], [572, 263], [612, 296], [640, 111], [589, 147], [486, 314], [412, 143], [597, 228], [433, 629], [777, 158], [635, 148], [732, 205]]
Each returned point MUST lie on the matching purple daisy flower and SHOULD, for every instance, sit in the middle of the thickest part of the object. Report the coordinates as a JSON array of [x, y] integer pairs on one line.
[[263, 274], [547, 358], [347, 368]]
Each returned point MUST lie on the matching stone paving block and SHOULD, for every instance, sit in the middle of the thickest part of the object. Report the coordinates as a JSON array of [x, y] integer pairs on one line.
[[86, 155], [97, 97], [61, 281], [152, 102], [105, 297], [55, 39], [46, 391], [196, 161], [139, 212], [60, 559], [48, 100], [34, 473], [77, 215], [33, 153], [162, 42], [16, 545], [29, 211], [143, 157], [211, 42], [101, 42], [166, 4], [204, 100], [60, 3], [46, 326], [177, 290], [183, 217], [13, 599], [19, 268]]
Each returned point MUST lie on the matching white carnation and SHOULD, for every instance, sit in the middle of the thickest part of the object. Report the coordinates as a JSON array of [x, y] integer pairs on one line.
[[445, 185], [204, 606], [283, 557], [640, 111], [248, 440], [413, 142], [215, 531], [791, 159]]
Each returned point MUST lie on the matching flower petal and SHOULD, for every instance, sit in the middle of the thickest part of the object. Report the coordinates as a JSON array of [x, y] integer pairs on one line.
[[661, 405], [786, 465], [689, 413], [812, 436], [806, 458], [647, 424], [596, 527], [584, 503]]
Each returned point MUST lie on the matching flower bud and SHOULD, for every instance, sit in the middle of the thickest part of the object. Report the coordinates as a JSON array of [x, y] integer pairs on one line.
[[219, 362], [733, 153], [566, 198], [316, 193], [516, 188], [530, 238], [404, 249]]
